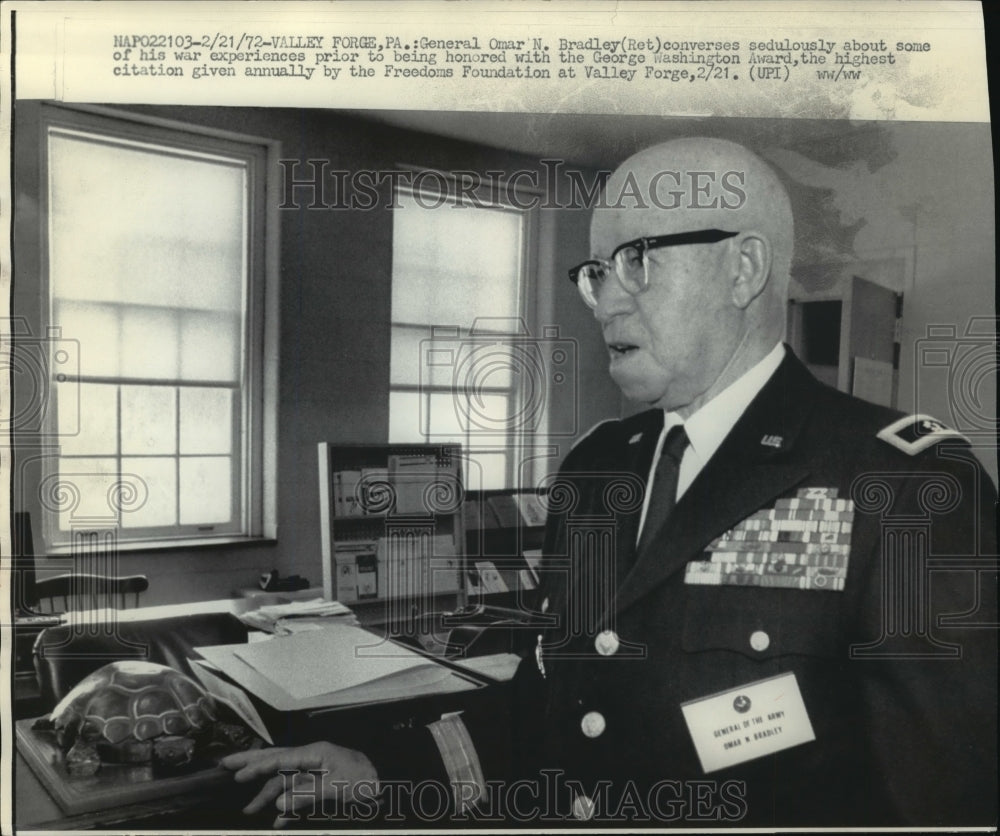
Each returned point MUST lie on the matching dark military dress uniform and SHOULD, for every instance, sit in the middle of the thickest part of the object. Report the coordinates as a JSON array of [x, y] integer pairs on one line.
[[882, 625]]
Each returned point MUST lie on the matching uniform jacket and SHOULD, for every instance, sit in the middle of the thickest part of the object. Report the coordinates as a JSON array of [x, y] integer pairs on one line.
[[902, 704], [897, 670]]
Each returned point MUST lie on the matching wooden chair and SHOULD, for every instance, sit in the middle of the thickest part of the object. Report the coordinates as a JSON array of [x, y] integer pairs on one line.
[[81, 591]]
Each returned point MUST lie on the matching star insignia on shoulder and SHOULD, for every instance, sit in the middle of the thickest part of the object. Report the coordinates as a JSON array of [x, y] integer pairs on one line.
[[915, 433]]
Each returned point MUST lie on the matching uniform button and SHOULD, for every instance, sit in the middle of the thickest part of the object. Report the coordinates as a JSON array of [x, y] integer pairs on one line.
[[593, 724], [583, 808], [760, 641], [607, 643]]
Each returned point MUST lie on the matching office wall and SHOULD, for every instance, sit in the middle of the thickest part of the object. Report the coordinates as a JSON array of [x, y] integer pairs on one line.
[[940, 193], [595, 397], [334, 316], [932, 206]]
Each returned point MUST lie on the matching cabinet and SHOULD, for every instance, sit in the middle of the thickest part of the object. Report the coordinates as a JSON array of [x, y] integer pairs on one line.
[[391, 527]]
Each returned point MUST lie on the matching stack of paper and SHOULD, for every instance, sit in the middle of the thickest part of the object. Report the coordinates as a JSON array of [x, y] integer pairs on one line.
[[335, 666], [275, 618]]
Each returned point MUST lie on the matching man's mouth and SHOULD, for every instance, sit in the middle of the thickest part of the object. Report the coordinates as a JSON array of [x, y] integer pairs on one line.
[[621, 349]]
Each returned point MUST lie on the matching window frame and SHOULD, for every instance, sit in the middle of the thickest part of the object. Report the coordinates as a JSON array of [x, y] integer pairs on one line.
[[256, 398], [487, 196]]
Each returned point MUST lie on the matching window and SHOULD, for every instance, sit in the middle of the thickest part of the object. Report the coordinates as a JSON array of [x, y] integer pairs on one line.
[[155, 244], [463, 365]]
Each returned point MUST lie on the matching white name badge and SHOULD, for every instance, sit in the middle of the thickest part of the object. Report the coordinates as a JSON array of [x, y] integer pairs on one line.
[[748, 722]]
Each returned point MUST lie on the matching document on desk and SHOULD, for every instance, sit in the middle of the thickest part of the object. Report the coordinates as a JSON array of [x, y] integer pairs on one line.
[[331, 660], [232, 697], [334, 666], [498, 666]]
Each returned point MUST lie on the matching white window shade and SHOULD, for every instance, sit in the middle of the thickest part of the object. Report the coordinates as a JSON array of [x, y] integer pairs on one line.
[[148, 259], [140, 225], [452, 264], [458, 285], [155, 271]]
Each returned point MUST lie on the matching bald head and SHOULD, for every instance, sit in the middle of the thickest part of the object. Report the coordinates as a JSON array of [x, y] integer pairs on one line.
[[709, 311], [692, 184]]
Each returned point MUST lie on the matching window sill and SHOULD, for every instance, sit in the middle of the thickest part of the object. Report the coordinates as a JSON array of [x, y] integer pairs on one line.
[[175, 545]]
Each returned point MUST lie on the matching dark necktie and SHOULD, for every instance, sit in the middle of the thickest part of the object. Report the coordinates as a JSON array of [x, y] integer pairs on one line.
[[664, 496]]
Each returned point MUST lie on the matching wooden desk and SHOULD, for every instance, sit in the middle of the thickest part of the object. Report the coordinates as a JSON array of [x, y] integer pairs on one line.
[[35, 809], [236, 606], [220, 810]]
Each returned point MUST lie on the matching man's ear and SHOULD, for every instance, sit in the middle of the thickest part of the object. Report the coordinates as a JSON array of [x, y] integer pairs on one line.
[[754, 268]]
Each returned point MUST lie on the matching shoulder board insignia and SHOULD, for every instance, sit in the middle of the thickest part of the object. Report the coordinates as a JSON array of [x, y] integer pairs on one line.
[[914, 433]]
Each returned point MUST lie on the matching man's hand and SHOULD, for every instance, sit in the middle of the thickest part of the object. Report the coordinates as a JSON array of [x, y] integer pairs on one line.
[[323, 772]]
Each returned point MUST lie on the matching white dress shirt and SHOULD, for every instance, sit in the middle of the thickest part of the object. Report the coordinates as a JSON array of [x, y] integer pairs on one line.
[[707, 427]]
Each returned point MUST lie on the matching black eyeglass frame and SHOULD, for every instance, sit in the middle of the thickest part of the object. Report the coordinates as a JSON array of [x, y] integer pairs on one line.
[[647, 243]]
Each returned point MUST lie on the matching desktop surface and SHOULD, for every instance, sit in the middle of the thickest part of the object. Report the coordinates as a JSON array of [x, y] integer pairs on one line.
[[353, 725]]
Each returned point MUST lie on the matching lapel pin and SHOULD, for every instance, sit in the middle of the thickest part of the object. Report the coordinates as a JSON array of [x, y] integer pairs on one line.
[[772, 441], [635, 438]]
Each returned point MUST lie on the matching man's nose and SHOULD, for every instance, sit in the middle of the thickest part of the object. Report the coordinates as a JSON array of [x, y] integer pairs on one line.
[[612, 300]]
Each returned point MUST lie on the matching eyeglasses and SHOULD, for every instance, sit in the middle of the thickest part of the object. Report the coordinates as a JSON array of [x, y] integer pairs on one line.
[[629, 263]]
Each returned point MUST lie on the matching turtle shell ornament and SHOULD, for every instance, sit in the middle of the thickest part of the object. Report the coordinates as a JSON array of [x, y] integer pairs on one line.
[[142, 713]]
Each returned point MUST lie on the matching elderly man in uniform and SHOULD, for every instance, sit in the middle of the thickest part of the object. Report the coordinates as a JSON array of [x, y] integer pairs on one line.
[[750, 633]]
